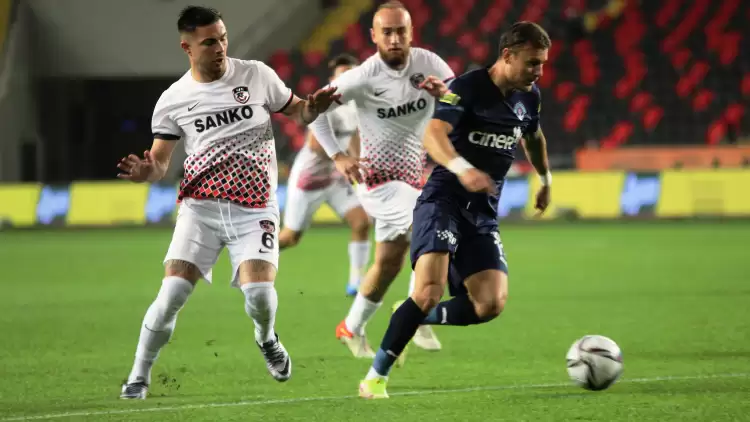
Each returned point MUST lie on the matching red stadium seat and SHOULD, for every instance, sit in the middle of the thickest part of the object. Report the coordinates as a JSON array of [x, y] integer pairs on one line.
[[652, 117], [308, 84], [680, 58], [314, 58], [576, 113], [457, 64], [564, 91], [640, 101], [730, 46], [479, 52], [745, 85], [717, 131], [733, 114], [548, 77], [702, 100], [667, 12], [354, 39]]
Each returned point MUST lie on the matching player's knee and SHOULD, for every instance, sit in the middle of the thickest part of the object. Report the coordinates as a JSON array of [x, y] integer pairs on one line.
[[428, 296], [490, 308], [289, 238], [254, 270], [182, 269], [360, 226]]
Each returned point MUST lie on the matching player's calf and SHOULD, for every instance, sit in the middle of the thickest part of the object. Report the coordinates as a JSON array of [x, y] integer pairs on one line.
[[261, 301], [484, 300], [389, 259], [159, 323], [289, 238], [488, 291]]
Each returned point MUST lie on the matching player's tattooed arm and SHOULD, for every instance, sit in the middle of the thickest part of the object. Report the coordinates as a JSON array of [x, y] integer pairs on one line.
[[152, 167], [535, 146]]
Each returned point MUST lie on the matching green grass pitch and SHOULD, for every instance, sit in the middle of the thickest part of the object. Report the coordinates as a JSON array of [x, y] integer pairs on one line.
[[675, 296]]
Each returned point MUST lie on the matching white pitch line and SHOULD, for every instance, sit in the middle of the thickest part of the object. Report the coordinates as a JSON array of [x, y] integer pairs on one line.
[[332, 398]]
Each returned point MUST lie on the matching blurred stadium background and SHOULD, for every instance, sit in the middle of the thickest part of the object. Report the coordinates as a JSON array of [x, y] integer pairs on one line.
[[645, 107], [645, 103]]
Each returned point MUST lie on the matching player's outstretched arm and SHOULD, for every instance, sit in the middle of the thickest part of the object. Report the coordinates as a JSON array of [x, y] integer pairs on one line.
[[152, 167], [440, 148], [535, 147], [306, 111]]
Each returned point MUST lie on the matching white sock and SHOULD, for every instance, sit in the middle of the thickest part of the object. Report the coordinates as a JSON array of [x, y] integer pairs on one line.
[[359, 256], [261, 301], [411, 283], [372, 373], [158, 325], [361, 311]]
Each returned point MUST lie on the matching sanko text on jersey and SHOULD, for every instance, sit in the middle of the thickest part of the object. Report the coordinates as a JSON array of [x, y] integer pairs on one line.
[[403, 109], [225, 117]]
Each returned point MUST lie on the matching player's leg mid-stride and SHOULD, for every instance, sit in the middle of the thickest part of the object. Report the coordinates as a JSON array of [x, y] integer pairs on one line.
[[482, 301]]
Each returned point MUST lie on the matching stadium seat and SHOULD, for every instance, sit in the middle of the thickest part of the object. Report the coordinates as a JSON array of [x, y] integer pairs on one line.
[[702, 100]]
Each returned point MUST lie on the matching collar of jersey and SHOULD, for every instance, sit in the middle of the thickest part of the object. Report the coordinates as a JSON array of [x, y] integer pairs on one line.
[[393, 72], [224, 77]]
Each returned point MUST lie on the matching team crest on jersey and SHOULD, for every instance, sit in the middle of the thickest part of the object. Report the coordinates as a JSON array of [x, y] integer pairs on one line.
[[241, 94], [267, 226], [416, 79], [520, 110]]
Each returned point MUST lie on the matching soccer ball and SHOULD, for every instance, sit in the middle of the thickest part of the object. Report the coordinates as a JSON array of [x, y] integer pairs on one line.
[[594, 362]]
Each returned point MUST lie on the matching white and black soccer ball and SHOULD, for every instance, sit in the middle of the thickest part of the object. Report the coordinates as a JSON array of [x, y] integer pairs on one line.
[[594, 362]]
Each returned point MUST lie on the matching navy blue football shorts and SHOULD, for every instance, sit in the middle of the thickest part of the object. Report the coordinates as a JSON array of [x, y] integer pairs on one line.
[[443, 227]]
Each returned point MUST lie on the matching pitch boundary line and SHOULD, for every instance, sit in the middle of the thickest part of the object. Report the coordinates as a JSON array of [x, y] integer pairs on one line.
[[295, 400]]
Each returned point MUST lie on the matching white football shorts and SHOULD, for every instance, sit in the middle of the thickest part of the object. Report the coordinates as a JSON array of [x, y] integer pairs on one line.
[[302, 204], [204, 227], [392, 206]]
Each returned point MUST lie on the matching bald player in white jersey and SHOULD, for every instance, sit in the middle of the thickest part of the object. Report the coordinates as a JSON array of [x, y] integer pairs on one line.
[[394, 99], [221, 109], [313, 180]]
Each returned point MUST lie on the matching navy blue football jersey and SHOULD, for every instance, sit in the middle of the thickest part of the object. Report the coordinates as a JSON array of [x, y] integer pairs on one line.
[[487, 128]]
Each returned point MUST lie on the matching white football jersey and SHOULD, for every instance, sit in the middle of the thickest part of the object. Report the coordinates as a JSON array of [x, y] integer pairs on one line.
[[227, 131], [315, 171], [393, 113]]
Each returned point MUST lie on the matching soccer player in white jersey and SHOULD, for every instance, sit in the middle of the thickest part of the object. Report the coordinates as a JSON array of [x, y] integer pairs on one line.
[[313, 180], [393, 93], [221, 109]]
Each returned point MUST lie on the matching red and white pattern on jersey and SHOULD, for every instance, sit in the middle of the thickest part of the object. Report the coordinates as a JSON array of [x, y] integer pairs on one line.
[[236, 169], [392, 155]]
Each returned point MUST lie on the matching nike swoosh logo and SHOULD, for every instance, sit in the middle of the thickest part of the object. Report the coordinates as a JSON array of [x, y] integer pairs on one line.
[[194, 106], [262, 251], [379, 93]]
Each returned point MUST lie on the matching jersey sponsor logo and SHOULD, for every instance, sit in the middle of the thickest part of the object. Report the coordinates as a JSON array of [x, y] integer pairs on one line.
[[416, 79], [494, 140], [403, 109], [241, 94], [234, 115]]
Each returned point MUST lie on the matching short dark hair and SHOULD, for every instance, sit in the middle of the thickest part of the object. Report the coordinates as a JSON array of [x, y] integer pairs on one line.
[[522, 33], [391, 4], [342, 60], [193, 17]]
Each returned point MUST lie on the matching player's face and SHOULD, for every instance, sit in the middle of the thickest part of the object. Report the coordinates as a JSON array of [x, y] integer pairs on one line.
[[339, 70], [392, 33], [525, 65], [207, 48]]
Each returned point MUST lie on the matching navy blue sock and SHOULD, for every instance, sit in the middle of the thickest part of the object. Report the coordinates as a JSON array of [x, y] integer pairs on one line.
[[457, 311], [404, 323]]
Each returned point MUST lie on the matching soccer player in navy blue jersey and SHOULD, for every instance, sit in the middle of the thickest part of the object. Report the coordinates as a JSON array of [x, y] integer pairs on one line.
[[473, 137]]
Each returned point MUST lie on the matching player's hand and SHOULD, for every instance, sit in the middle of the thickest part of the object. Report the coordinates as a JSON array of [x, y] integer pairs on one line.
[[435, 86], [543, 199], [319, 101], [136, 169], [352, 168], [478, 181]]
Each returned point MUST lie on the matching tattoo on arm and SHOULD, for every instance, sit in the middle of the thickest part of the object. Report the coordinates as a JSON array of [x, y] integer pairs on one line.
[[536, 151]]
